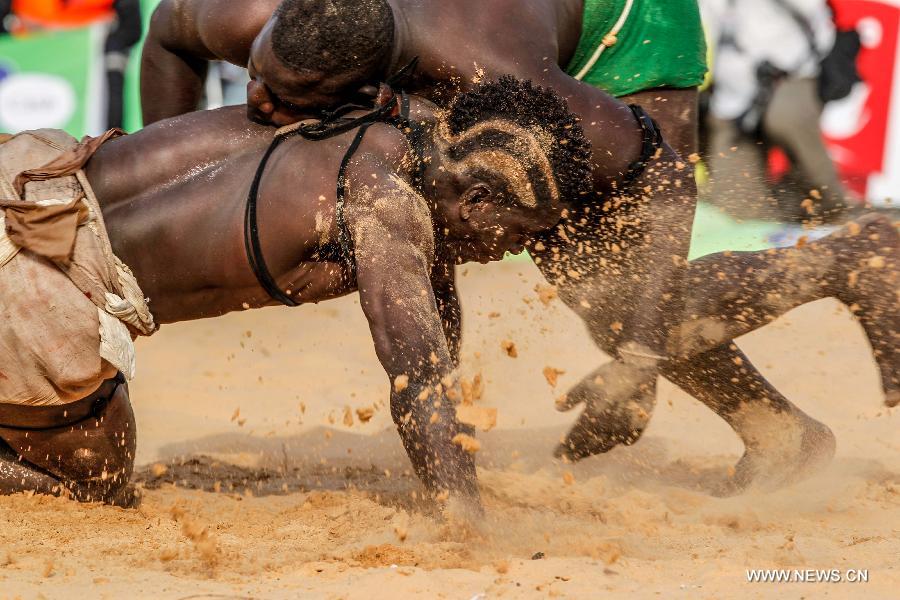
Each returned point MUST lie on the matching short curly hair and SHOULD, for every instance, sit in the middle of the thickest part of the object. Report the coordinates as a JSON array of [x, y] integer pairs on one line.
[[334, 36], [529, 106]]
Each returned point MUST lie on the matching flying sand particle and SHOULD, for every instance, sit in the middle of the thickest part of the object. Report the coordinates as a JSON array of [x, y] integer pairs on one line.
[[467, 443], [365, 414], [482, 418], [552, 375]]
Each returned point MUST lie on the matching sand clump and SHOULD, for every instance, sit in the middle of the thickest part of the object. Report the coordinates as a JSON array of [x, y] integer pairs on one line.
[[509, 347], [199, 534], [334, 512], [479, 417], [467, 443], [552, 375]]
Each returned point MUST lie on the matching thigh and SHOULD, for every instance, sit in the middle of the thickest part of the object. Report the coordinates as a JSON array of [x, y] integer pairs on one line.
[[101, 446]]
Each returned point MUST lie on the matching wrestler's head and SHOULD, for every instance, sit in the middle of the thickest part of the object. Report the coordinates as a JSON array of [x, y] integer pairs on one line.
[[315, 54], [508, 157]]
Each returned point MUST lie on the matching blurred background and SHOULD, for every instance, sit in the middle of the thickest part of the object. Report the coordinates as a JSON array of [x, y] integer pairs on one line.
[[803, 100], [74, 65]]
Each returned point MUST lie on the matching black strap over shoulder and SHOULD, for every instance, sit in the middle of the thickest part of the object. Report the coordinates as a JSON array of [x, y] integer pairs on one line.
[[651, 142], [344, 236], [251, 230], [393, 111]]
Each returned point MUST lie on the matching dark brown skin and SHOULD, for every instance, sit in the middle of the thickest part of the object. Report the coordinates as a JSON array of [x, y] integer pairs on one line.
[[457, 42], [173, 197], [187, 33]]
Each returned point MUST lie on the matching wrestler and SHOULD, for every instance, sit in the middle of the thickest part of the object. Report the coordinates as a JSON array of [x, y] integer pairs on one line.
[[211, 216], [309, 56]]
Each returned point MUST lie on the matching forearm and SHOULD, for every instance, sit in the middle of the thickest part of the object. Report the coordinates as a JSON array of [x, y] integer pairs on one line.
[[620, 261], [173, 66], [171, 85], [425, 415]]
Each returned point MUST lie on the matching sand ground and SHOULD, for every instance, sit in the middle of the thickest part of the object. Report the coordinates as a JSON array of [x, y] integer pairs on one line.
[[258, 486]]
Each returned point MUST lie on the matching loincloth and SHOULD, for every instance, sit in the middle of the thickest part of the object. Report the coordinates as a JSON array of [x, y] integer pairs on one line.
[[69, 308]]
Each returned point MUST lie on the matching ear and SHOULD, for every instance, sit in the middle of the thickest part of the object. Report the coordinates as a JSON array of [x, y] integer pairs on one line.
[[472, 196]]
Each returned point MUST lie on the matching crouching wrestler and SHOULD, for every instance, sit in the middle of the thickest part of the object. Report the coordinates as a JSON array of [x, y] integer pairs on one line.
[[212, 214]]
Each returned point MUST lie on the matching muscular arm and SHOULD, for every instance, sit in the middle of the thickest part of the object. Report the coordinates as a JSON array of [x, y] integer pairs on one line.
[[392, 234], [522, 39], [443, 282], [184, 36]]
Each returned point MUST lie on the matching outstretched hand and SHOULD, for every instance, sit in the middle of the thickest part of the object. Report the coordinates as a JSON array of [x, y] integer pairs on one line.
[[619, 399]]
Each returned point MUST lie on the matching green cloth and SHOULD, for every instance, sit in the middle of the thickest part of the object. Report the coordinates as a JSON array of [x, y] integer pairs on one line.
[[661, 45]]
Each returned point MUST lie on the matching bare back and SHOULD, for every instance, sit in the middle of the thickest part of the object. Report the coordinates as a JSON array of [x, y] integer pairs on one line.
[[174, 196]]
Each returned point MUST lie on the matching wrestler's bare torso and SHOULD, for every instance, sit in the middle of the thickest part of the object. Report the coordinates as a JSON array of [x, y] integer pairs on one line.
[[174, 194]]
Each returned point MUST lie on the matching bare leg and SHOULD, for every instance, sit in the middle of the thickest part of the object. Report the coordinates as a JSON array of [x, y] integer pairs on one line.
[[744, 291], [781, 443], [722, 378], [92, 460]]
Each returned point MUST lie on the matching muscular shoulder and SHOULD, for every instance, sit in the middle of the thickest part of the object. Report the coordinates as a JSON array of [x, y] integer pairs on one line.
[[211, 29], [471, 38], [382, 207]]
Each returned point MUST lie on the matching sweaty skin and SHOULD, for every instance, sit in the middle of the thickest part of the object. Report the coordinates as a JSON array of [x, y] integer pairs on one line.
[[457, 43], [173, 198]]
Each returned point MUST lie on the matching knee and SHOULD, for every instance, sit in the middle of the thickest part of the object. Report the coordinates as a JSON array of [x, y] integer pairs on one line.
[[105, 459], [94, 458]]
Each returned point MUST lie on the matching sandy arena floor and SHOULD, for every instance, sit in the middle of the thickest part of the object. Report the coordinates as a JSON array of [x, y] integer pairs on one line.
[[258, 485]]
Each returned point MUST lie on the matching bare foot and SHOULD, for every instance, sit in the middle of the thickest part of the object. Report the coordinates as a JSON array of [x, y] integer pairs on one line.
[[805, 447], [603, 425]]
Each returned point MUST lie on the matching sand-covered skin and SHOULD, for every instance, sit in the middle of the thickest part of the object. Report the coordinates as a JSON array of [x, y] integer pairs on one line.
[[298, 504]]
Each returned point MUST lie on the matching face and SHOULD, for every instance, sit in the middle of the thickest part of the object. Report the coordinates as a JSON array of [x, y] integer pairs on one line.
[[278, 95], [489, 222]]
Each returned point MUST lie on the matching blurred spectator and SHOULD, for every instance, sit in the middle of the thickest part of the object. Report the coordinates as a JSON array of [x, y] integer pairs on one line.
[[123, 17], [124, 34], [5, 10], [766, 94]]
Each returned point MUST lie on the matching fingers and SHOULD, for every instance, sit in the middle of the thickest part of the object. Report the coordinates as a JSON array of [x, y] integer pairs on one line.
[[611, 384], [589, 389]]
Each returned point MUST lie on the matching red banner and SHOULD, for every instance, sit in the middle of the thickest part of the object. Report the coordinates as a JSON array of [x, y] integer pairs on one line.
[[863, 130]]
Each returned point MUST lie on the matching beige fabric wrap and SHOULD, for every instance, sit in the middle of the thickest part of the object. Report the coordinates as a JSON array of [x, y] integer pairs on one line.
[[64, 328]]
